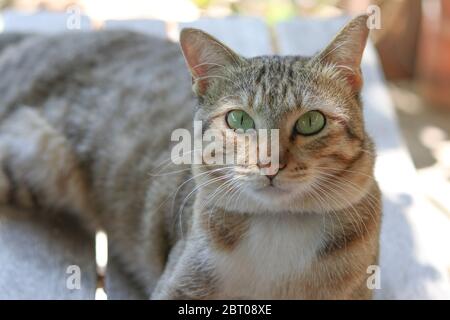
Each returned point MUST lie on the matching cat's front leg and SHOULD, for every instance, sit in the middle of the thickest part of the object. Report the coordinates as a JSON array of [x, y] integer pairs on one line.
[[189, 274]]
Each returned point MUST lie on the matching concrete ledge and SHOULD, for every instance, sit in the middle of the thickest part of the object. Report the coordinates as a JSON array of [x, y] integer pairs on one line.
[[46, 22]]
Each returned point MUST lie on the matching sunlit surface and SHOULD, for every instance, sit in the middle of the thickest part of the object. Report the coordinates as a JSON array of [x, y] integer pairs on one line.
[[174, 10], [100, 294], [101, 251], [101, 259]]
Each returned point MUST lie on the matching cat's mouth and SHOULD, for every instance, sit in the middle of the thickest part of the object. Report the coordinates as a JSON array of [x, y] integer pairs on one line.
[[279, 187], [271, 188]]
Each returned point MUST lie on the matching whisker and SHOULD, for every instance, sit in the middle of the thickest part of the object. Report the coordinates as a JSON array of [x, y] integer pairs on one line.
[[209, 172], [372, 201]]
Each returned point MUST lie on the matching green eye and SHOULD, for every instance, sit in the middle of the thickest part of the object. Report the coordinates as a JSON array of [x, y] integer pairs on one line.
[[310, 123], [238, 119]]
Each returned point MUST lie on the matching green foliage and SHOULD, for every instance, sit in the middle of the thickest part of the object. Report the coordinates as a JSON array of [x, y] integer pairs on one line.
[[277, 11], [272, 10], [203, 4]]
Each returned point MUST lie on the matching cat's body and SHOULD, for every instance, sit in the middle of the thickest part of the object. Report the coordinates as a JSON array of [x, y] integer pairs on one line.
[[103, 111], [86, 128]]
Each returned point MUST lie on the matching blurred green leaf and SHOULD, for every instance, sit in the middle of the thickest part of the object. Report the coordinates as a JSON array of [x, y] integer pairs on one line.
[[277, 11], [203, 3]]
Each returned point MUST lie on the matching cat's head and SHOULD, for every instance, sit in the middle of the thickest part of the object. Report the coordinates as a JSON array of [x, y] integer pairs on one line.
[[325, 156]]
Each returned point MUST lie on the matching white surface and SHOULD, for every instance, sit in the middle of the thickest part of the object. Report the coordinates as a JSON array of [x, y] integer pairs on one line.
[[151, 27], [36, 254], [247, 36], [49, 22], [140, 9]]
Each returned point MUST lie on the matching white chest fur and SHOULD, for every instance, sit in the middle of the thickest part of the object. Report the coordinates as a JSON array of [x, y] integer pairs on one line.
[[274, 249]]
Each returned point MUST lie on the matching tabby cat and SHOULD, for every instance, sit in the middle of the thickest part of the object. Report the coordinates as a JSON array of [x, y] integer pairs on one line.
[[85, 127]]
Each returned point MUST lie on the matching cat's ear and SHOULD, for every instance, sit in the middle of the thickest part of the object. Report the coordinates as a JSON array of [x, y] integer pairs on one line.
[[346, 50], [206, 57]]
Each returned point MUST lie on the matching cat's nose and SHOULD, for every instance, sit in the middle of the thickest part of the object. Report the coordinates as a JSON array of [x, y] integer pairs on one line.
[[272, 172]]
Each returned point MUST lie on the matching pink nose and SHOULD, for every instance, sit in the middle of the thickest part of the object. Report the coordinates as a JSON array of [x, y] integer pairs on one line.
[[272, 171]]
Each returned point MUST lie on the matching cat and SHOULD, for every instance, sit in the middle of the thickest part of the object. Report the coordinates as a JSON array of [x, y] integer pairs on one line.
[[85, 126]]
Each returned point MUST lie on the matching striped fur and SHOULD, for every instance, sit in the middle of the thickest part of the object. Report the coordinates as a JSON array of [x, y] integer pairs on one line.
[[87, 130]]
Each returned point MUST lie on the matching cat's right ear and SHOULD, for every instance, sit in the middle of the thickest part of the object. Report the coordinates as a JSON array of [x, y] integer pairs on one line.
[[206, 58]]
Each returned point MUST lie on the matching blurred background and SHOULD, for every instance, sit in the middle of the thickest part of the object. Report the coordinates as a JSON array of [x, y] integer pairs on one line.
[[413, 44]]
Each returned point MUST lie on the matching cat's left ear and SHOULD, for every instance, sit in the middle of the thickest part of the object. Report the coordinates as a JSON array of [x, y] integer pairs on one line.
[[346, 50], [206, 58]]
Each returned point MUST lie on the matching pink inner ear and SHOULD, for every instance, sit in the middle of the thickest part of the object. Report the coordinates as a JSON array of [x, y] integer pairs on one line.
[[355, 81], [191, 56], [195, 65], [200, 72]]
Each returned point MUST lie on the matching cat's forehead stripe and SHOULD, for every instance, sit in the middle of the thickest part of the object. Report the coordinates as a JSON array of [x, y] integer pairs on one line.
[[278, 84]]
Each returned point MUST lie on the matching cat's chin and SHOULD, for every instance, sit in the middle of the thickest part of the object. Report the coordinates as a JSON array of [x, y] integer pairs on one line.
[[272, 198], [271, 190], [279, 190], [261, 197]]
